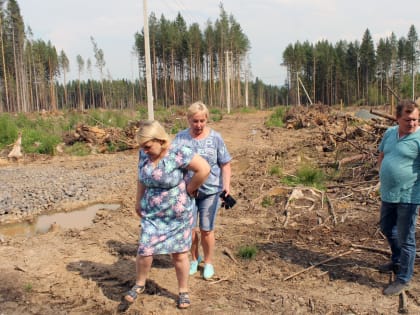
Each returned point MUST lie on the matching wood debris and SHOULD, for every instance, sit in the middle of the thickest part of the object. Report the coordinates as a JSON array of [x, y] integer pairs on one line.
[[16, 152]]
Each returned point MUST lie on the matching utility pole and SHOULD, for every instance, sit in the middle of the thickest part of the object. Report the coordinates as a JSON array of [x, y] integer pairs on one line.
[[148, 67], [297, 84]]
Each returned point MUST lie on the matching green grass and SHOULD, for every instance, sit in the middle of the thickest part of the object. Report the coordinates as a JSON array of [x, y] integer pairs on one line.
[[276, 119], [248, 252], [247, 110], [267, 202], [215, 114], [28, 287], [306, 175], [8, 130], [41, 134], [275, 170], [77, 149]]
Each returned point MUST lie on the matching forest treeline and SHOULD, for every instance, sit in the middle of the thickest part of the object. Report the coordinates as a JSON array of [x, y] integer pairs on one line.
[[187, 65], [212, 65], [354, 72]]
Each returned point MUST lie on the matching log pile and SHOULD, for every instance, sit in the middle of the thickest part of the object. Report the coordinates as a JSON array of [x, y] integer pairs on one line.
[[122, 139], [355, 138], [340, 144]]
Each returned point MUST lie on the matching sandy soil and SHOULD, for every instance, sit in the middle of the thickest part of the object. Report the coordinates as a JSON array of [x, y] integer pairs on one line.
[[86, 271]]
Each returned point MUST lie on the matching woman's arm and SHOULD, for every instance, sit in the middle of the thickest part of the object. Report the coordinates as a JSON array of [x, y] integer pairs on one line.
[[201, 170], [226, 174], [139, 195]]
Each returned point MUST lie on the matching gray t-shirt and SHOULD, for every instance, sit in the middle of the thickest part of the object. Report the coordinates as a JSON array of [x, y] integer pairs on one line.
[[214, 150]]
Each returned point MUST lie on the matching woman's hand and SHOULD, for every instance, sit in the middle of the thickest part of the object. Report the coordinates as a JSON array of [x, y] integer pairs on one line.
[[192, 193], [138, 209], [139, 196]]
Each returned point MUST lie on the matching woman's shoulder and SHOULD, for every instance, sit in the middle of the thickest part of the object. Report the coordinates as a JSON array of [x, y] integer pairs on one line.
[[179, 147], [215, 134], [185, 133]]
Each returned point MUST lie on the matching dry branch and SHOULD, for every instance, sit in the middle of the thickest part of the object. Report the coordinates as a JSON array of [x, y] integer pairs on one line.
[[402, 305], [348, 141], [228, 253], [372, 249], [331, 209], [351, 159]]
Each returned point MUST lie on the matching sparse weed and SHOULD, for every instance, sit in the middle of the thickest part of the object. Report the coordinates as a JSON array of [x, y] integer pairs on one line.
[[78, 149], [28, 287], [276, 119], [8, 130], [306, 175], [267, 201], [247, 251], [275, 170], [216, 114], [246, 110], [178, 125]]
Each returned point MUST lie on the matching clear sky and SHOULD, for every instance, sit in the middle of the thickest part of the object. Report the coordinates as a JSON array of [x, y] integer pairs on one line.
[[270, 25]]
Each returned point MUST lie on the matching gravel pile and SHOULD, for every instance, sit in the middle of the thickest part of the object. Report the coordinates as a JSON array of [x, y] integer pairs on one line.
[[35, 188]]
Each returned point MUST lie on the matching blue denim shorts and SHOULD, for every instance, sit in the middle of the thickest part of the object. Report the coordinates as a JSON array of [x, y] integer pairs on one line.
[[206, 211]]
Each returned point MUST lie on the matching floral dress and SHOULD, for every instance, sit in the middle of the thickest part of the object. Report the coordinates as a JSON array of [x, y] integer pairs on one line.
[[166, 208]]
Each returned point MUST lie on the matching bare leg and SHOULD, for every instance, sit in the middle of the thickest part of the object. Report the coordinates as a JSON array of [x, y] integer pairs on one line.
[[182, 267], [143, 266], [194, 246], [208, 242]]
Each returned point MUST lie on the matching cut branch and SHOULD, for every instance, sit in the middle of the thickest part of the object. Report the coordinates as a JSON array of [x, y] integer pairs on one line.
[[372, 249]]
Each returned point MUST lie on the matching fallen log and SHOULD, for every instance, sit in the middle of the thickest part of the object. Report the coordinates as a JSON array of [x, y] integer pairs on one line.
[[384, 115]]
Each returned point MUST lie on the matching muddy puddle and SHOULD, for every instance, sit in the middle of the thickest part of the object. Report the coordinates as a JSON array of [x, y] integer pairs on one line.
[[67, 220]]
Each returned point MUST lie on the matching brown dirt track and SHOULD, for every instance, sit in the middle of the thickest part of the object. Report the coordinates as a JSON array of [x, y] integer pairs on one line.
[[86, 271]]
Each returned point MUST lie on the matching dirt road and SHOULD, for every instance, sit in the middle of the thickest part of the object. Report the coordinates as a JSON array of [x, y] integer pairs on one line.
[[86, 271]]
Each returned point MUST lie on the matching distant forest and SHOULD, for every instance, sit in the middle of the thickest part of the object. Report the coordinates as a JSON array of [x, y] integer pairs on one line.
[[355, 72], [187, 65], [212, 65]]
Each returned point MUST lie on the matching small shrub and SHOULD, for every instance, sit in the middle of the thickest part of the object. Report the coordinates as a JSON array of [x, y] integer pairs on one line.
[[247, 252], [8, 130], [276, 119], [267, 201], [215, 114], [246, 110], [77, 149], [310, 176], [306, 175], [28, 287], [179, 124], [39, 141], [275, 170]]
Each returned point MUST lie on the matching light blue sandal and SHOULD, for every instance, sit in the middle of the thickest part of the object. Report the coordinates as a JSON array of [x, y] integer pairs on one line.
[[208, 271], [194, 265]]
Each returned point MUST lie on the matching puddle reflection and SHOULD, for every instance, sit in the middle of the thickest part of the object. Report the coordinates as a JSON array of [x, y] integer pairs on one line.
[[66, 220]]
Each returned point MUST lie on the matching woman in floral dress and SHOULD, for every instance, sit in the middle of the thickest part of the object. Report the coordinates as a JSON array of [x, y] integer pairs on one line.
[[165, 204]]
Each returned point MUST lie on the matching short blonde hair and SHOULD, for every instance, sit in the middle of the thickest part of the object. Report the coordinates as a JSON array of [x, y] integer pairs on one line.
[[152, 130], [198, 107]]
